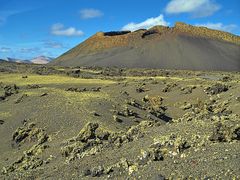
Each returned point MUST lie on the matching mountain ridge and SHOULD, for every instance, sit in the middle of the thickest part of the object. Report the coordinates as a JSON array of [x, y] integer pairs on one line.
[[41, 60], [37, 60]]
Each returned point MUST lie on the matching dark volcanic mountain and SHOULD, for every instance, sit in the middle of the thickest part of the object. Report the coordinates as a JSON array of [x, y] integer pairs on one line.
[[180, 47]]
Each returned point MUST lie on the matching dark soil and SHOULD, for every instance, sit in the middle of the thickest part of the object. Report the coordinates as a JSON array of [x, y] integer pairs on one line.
[[110, 123]]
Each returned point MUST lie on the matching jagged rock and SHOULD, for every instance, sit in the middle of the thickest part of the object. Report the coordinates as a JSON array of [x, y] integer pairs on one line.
[[10, 90], [88, 132], [73, 89], [124, 163], [102, 135], [95, 113], [29, 132], [134, 103], [187, 90], [143, 158], [238, 99], [76, 89], [97, 171], [145, 98], [74, 73], [96, 89], [124, 93], [116, 118], [216, 89], [173, 142], [157, 111], [33, 86], [153, 153], [186, 106], [155, 102], [181, 144], [140, 89], [77, 71], [226, 79], [43, 94], [126, 112], [2, 98], [85, 143], [87, 172], [29, 160], [159, 177], [80, 149], [96, 139], [20, 99], [156, 154], [169, 87], [221, 133], [236, 134]]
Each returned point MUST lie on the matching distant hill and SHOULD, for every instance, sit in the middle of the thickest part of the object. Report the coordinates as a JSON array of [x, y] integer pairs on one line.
[[37, 60], [180, 47], [41, 60], [17, 60]]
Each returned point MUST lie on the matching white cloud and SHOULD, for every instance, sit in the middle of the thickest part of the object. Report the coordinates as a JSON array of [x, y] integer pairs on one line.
[[219, 26], [198, 8], [5, 49], [59, 30], [90, 13], [146, 24]]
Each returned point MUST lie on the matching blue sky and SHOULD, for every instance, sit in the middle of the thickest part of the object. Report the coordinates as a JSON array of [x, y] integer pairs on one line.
[[30, 28]]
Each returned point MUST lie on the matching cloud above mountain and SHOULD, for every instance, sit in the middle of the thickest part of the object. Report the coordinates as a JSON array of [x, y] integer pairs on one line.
[[59, 30], [90, 13], [148, 23], [199, 8]]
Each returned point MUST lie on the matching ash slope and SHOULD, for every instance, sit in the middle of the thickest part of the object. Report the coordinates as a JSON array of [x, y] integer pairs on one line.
[[118, 124], [180, 47]]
